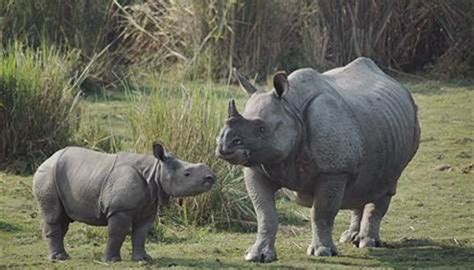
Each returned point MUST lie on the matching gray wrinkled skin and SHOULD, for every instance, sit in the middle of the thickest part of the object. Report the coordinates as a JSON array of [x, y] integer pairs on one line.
[[339, 140], [121, 191]]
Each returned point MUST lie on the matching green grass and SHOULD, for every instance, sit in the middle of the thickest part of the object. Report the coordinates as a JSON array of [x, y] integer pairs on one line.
[[429, 223], [37, 103]]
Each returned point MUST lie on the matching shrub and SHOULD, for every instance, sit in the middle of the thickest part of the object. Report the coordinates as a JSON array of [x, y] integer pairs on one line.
[[187, 119], [37, 103]]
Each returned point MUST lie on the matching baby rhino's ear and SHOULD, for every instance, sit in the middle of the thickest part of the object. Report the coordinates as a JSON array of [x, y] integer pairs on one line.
[[159, 151], [280, 82]]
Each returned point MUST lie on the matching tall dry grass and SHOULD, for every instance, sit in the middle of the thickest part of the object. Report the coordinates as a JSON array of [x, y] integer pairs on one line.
[[404, 35], [207, 38], [204, 39], [260, 37]]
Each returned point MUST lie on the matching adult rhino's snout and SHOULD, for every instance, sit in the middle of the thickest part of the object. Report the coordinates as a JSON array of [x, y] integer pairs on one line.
[[233, 152], [224, 150]]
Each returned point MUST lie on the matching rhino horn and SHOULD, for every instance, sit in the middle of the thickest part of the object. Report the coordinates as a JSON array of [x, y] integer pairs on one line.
[[244, 83], [232, 110]]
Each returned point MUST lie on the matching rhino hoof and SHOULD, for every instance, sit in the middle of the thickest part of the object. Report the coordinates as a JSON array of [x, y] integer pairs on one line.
[[321, 251], [111, 259], [263, 255], [58, 256], [368, 242], [348, 236], [141, 257]]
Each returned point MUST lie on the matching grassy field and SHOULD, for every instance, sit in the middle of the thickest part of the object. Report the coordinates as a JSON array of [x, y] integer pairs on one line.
[[429, 223]]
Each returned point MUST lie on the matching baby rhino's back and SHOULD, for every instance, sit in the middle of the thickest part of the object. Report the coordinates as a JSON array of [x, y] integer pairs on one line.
[[80, 175]]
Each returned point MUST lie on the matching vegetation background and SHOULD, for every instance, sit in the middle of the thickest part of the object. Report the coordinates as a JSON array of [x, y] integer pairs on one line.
[[116, 75]]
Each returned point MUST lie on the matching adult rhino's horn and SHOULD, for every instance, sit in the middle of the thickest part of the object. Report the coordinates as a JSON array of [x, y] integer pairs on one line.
[[232, 110], [244, 83]]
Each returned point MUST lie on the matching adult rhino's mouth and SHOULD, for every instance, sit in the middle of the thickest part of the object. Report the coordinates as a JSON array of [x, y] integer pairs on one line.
[[236, 157]]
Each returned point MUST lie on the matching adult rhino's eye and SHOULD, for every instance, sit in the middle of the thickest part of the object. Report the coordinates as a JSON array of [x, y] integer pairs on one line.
[[262, 129], [237, 142], [186, 173]]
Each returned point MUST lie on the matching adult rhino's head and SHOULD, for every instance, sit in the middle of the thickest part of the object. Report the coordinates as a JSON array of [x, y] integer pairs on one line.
[[179, 178], [265, 132]]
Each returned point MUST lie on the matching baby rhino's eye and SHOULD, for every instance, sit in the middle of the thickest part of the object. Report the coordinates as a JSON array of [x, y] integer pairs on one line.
[[262, 129], [187, 173]]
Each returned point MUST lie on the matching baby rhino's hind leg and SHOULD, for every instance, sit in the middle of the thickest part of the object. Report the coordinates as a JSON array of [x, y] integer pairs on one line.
[[56, 222], [54, 233], [352, 233]]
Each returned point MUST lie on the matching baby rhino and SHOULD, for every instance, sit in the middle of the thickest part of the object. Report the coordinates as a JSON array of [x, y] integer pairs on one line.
[[121, 191]]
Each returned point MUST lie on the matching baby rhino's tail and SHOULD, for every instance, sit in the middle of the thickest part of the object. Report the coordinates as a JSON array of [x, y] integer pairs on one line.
[[45, 191]]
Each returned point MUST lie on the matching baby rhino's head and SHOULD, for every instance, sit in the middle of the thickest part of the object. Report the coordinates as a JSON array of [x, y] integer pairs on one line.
[[181, 179]]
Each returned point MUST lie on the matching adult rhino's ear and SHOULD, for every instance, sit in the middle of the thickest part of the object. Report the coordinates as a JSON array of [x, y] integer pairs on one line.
[[244, 83], [159, 151], [280, 83]]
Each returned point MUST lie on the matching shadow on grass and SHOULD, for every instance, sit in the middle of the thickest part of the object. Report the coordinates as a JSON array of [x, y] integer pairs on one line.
[[7, 227], [425, 253], [211, 263], [413, 253]]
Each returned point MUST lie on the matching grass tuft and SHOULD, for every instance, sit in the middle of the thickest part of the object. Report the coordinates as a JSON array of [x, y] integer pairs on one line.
[[37, 103], [187, 118]]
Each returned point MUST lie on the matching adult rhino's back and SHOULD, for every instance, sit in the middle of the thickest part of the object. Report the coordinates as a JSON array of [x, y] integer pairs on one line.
[[386, 115]]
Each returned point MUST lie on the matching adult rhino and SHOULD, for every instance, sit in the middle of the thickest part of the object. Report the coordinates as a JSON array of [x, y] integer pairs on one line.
[[339, 139]]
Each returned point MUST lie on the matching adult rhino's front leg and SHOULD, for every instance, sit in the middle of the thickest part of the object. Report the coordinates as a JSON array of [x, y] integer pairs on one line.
[[262, 194], [327, 200]]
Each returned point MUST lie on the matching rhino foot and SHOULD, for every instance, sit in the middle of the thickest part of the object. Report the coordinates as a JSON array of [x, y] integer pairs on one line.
[[259, 253], [60, 256], [365, 241], [348, 236], [141, 257], [316, 250], [111, 259]]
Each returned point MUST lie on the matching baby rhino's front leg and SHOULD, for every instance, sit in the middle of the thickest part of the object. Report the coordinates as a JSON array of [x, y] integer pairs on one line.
[[118, 226], [140, 229], [327, 200]]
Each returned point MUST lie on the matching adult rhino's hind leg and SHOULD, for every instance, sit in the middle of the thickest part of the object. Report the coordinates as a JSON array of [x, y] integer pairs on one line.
[[351, 234], [327, 201], [370, 223]]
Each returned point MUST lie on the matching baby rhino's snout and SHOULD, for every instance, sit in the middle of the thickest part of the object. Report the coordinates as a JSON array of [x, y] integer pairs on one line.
[[208, 177]]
